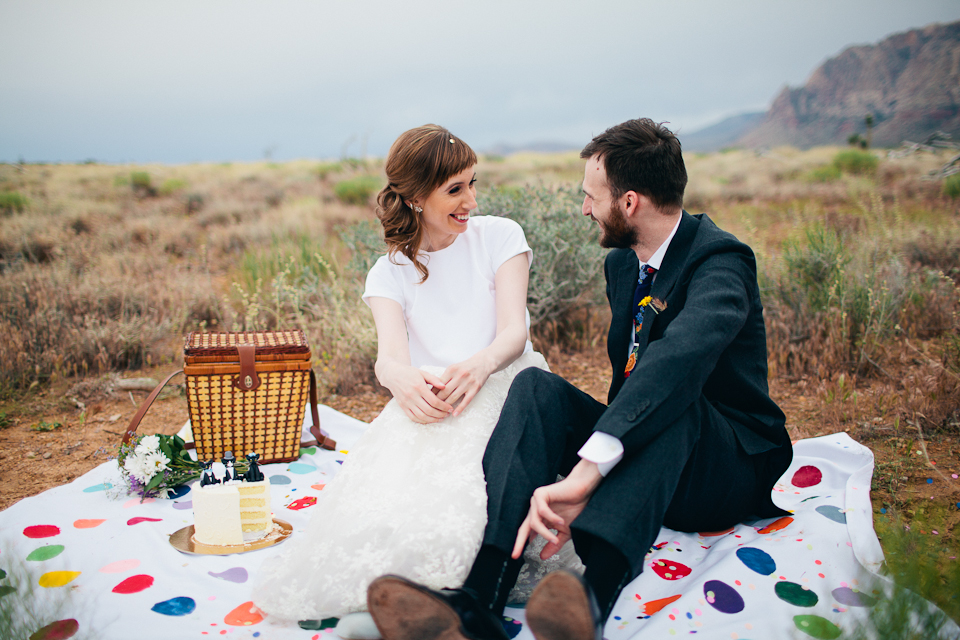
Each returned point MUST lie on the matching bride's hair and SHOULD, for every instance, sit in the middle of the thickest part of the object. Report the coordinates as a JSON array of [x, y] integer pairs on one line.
[[419, 161]]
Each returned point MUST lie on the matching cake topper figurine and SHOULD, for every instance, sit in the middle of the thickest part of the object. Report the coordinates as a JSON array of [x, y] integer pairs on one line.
[[206, 473], [253, 471], [229, 473]]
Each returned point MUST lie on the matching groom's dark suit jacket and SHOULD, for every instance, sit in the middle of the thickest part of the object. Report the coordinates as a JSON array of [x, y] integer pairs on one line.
[[709, 340]]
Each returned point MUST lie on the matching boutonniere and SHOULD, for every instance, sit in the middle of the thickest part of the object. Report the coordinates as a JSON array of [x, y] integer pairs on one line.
[[656, 304]]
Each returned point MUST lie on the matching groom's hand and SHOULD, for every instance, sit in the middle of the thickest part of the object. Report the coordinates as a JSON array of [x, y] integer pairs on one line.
[[556, 506]]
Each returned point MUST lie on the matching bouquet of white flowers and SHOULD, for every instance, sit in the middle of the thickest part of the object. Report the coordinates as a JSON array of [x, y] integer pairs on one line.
[[155, 465]]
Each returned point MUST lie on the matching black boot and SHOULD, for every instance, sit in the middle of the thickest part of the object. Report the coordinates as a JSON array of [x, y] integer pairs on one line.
[[404, 610]]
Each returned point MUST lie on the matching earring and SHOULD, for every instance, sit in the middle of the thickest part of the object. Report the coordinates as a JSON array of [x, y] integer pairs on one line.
[[418, 209]]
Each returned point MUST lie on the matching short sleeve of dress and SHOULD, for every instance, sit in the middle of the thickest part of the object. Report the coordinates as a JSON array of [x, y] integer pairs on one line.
[[382, 282], [504, 239]]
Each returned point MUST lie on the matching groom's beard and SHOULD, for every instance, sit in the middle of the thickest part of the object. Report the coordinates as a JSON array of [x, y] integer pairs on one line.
[[617, 234]]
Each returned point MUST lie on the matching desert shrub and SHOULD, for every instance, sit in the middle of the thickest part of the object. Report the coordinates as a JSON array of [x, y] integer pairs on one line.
[[951, 186], [855, 162], [824, 173], [172, 185], [567, 272], [142, 185], [325, 169], [813, 268], [357, 190], [193, 202], [12, 202], [365, 242]]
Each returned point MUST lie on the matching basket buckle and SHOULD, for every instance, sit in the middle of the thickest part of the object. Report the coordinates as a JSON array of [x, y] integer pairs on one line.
[[248, 380]]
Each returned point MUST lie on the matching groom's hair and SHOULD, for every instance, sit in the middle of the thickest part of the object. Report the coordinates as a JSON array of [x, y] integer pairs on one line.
[[642, 156]]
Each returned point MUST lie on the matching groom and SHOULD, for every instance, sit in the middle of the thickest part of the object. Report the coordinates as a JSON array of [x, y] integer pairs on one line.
[[690, 438]]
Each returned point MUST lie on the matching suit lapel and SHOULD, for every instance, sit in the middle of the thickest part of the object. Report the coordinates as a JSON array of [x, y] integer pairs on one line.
[[673, 263], [622, 321]]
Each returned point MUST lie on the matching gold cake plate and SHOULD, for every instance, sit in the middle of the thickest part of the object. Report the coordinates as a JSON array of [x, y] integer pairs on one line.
[[183, 541]]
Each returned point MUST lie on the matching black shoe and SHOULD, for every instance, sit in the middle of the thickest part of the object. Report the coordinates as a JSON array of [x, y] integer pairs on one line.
[[562, 607], [404, 610]]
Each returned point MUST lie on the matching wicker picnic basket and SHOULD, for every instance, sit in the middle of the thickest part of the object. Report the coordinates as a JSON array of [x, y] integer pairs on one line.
[[246, 392]]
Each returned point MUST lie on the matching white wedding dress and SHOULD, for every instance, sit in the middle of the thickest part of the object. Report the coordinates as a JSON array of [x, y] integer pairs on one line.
[[410, 500]]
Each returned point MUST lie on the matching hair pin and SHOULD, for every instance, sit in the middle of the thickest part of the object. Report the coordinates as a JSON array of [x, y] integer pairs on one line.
[[451, 140]]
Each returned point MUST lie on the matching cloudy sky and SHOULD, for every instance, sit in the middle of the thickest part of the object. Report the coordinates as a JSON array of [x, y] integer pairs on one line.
[[216, 80]]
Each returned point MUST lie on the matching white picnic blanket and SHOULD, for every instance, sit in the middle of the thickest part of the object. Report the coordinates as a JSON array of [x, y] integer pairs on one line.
[[100, 563]]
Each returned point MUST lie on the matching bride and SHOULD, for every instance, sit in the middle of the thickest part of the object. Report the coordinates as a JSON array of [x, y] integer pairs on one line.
[[449, 303]]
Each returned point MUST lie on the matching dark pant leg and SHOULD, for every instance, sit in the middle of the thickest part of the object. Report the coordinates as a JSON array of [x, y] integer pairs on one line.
[[694, 476], [544, 422]]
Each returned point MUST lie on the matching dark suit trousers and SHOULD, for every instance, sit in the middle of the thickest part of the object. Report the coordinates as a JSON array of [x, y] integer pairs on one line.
[[692, 477]]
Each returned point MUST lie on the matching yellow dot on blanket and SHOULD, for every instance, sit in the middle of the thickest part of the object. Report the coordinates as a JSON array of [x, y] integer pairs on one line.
[[344, 451], [57, 578]]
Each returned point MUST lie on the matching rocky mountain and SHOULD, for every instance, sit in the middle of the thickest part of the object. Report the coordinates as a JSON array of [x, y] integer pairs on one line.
[[909, 83]]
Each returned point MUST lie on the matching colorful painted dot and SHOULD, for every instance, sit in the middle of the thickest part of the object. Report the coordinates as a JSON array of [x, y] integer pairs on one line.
[[851, 598], [54, 579], [308, 452], [883, 510], [236, 574], [817, 627], [135, 502], [175, 606], [138, 520], [722, 597], [795, 594], [280, 479], [318, 487], [59, 630], [807, 476], [120, 566], [245, 615], [41, 531], [134, 584], [832, 513], [776, 525], [98, 487], [302, 503], [87, 523], [45, 553], [183, 506], [178, 492], [301, 468], [929, 480], [669, 570], [757, 560], [654, 606]]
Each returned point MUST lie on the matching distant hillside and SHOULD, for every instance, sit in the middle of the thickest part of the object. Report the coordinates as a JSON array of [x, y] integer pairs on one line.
[[725, 133], [909, 82]]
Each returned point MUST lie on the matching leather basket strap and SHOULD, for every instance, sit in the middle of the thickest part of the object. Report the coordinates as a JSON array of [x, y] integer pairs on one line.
[[138, 416], [323, 440]]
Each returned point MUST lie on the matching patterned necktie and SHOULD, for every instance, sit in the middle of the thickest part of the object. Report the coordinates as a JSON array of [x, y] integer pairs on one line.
[[641, 299]]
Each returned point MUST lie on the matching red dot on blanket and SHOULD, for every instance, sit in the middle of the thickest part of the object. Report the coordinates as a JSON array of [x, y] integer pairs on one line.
[[41, 531], [60, 630], [134, 584], [670, 570], [133, 521], [807, 476]]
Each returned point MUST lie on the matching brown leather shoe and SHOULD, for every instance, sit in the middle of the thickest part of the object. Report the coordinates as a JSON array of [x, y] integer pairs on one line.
[[404, 610], [562, 607]]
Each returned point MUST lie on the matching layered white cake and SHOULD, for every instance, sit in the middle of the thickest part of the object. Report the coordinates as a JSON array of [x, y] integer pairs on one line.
[[232, 513]]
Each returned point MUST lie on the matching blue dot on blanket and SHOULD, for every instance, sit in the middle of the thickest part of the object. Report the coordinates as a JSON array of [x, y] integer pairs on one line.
[[722, 597], [178, 492], [833, 513], [280, 479], [757, 560], [103, 486], [175, 606], [301, 467]]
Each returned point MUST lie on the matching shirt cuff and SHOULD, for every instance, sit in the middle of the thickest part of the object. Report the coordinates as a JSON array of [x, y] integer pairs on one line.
[[604, 449]]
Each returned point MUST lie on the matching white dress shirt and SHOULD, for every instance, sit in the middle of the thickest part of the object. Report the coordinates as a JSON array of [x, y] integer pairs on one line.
[[604, 449]]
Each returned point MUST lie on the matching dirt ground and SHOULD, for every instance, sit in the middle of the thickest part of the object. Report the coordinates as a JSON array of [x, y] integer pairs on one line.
[[53, 435]]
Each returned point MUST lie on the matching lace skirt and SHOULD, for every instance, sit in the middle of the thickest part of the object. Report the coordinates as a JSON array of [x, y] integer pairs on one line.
[[409, 500]]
